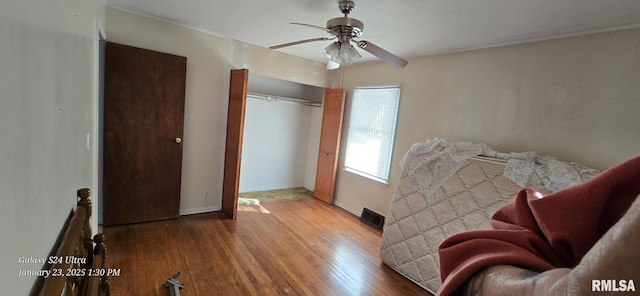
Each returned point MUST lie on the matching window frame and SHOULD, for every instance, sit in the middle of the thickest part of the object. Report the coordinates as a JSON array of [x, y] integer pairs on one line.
[[387, 160]]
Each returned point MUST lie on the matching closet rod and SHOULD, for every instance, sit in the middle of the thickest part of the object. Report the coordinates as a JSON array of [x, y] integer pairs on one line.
[[271, 98]]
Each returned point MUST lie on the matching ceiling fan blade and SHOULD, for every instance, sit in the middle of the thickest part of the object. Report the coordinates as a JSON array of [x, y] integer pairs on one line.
[[299, 42], [313, 26], [381, 53]]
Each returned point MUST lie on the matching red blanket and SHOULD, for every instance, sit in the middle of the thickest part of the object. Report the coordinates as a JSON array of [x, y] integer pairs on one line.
[[541, 233]]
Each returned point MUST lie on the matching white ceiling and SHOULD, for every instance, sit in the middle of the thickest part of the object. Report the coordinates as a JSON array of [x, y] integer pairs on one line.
[[407, 28]]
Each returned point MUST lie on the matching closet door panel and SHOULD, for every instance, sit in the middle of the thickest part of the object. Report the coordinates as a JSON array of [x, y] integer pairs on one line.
[[333, 111], [233, 149]]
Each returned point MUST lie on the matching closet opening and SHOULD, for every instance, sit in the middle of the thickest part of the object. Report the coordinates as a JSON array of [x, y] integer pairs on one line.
[[281, 140]]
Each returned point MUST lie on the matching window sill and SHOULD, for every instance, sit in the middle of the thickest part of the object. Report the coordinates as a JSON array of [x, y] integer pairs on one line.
[[367, 176]]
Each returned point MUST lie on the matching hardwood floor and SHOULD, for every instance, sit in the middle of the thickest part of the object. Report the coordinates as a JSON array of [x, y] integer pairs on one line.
[[296, 247]]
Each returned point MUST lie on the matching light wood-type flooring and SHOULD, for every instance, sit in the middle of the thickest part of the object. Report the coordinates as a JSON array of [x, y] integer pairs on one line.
[[294, 247]]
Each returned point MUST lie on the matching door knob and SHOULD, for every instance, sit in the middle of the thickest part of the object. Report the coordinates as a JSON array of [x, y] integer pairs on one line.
[[178, 140]]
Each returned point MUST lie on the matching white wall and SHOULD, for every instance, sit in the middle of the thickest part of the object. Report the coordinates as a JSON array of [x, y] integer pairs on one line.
[[48, 124], [575, 98], [209, 60], [274, 152], [313, 148]]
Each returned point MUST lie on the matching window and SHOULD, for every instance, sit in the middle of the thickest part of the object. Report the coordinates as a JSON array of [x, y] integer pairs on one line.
[[372, 125]]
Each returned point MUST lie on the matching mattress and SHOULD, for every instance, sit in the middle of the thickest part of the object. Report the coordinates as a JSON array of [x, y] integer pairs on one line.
[[439, 196]]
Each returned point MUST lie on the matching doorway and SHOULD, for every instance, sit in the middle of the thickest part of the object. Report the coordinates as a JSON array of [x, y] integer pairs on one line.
[[329, 142], [280, 139]]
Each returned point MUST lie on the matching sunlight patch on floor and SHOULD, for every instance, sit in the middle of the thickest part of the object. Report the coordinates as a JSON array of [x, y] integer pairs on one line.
[[253, 209]]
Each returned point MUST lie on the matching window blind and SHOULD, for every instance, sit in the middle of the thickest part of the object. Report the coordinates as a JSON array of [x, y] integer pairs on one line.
[[371, 131]]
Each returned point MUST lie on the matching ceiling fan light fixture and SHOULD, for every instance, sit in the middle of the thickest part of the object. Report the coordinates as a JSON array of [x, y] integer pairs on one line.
[[348, 53], [341, 53], [332, 51], [331, 65]]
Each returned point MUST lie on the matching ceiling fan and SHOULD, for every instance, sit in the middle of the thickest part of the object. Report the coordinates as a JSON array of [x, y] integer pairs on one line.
[[344, 29]]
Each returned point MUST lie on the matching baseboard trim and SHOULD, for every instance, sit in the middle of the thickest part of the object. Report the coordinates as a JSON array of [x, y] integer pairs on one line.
[[200, 210], [254, 189], [344, 207]]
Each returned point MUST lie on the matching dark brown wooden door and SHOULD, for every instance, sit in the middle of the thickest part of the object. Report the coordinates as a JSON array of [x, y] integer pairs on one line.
[[143, 123], [233, 150], [330, 132]]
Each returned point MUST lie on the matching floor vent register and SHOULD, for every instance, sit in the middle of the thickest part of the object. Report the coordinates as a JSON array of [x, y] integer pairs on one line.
[[372, 218]]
